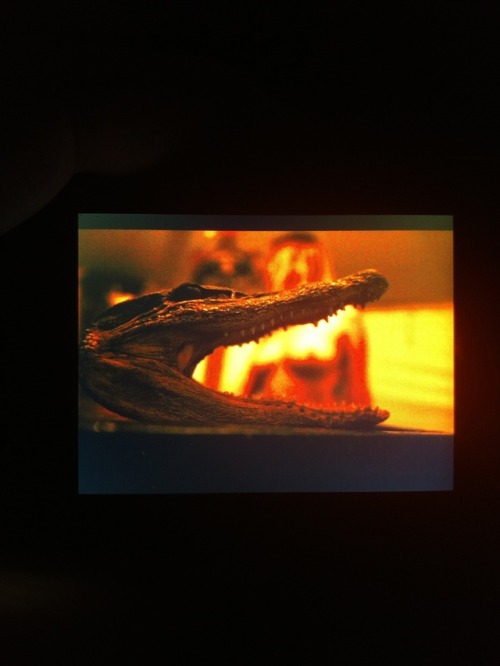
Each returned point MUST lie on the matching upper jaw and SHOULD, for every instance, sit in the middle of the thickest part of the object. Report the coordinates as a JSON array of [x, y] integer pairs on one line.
[[240, 318], [188, 330]]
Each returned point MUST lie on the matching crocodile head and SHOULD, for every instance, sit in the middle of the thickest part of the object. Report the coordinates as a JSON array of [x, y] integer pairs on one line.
[[138, 358]]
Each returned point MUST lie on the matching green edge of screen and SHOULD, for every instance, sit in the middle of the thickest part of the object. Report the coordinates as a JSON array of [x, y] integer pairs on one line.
[[266, 222]]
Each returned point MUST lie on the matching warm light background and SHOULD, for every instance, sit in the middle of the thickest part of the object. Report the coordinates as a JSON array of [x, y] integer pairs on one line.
[[410, 330]]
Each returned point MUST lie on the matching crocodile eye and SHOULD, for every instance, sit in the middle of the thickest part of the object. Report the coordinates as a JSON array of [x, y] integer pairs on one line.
[[127, 310], [188, 291]]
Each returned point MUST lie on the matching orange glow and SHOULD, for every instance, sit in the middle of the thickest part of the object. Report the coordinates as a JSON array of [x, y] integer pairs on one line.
[[318, 365], [115, 297], [397, 358], [321, 365], [310, 350], [410, 365], [295, 262], [400, 350]]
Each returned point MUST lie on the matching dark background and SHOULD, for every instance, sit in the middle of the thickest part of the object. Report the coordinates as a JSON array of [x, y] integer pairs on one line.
[[277, 109]]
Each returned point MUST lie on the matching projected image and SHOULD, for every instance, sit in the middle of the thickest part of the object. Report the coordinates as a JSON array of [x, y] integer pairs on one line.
[[301, 332]]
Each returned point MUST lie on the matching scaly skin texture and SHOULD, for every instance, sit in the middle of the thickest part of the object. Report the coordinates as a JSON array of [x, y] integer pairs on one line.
[[137, 359]]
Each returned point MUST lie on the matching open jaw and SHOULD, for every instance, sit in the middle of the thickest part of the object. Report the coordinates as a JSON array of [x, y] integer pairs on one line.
[[138, 358]]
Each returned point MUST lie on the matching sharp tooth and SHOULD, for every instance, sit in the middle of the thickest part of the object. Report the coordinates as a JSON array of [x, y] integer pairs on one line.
[[272, 322], [226, 334], [262, 327], [253, 330]]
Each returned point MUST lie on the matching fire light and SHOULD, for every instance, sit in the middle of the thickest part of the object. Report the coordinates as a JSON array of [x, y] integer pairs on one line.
[[318, 365], [115, 297]]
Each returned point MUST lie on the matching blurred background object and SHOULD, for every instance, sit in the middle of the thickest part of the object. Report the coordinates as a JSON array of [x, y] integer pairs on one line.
[[317, 365], [220, 260], [417, 263]]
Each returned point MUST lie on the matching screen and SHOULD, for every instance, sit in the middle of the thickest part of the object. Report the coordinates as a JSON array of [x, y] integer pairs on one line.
[[208, 364]]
